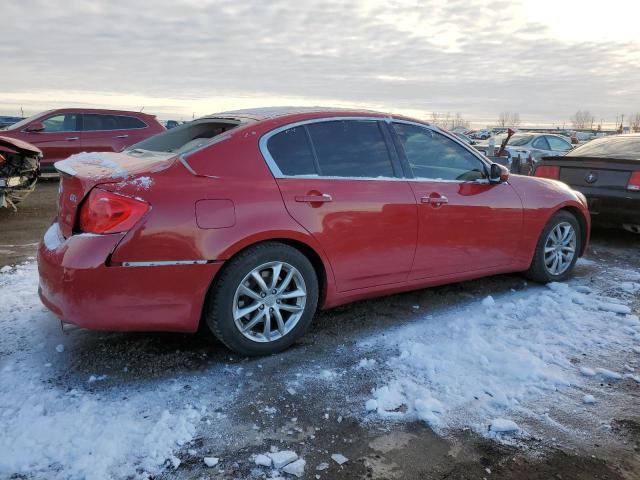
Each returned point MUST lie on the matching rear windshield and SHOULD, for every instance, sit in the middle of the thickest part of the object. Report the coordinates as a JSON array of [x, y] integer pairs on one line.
[[621, 147], [186, 137]]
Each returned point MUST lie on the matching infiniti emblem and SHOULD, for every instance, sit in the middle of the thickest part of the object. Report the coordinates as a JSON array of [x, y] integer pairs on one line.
[[591, 177]]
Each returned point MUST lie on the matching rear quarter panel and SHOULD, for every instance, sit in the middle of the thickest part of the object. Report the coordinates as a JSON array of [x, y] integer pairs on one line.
[[541, 199], [233, 172]]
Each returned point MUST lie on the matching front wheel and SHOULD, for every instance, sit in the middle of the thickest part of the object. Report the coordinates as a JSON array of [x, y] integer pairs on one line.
[[264, 299], [557, 249]]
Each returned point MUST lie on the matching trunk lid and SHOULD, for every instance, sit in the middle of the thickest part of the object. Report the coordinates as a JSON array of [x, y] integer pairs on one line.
[[594, 172], [80, 173]]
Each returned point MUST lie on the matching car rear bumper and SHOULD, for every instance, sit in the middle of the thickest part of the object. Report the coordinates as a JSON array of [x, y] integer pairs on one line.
[[614, 207], [78, 286]]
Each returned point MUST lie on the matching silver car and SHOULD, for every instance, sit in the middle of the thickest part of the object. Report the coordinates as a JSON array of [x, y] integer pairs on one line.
[[536, 145]]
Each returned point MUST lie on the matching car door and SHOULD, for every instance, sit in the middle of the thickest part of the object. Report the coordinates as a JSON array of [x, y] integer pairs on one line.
[[340, 181], [98, 132], [540, 148], [465, 223], [59, 139]]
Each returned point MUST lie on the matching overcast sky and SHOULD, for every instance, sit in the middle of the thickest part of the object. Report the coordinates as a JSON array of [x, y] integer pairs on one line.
[[544, 59]]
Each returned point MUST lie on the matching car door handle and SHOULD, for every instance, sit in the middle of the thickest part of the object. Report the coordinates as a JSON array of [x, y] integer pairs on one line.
[[72, 139], [314, 198], [434, 200], [122, 136]]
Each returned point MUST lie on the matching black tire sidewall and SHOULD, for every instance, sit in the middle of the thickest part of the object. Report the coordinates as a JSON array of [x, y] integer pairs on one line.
[[220, 314]]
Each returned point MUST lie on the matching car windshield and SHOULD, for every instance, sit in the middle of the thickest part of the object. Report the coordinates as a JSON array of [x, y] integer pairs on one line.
[[518, 140], [620, 146], [22, 123]]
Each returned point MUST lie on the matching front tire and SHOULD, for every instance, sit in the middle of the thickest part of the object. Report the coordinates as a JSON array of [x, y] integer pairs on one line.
[[263, 300], [557, 249]]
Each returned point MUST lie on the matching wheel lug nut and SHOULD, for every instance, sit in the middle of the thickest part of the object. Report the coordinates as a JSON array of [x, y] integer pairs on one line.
[[261, 307], [278, 300], [274, 291], [271, 309], [263, 294]]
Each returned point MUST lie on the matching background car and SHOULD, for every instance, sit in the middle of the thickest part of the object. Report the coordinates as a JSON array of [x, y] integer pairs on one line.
[[607, 171], [534, 145], [63, 132], [465, 139], [6, 121], [251, 219], [19, 170]]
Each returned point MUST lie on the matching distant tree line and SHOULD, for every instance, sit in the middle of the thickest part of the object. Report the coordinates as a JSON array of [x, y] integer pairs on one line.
[[448, 121]]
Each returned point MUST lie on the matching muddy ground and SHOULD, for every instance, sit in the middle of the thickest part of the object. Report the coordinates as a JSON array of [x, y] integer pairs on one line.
[[376, 449]]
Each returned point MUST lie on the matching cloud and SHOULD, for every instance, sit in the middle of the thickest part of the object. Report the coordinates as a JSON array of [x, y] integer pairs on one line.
[[474, 57]]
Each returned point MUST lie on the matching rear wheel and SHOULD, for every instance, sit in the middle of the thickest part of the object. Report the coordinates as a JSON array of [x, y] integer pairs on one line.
[[264, 299], [557, 249]]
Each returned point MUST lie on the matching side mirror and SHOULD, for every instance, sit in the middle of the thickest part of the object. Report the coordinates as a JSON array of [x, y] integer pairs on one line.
[[35, 127], [499, 173]]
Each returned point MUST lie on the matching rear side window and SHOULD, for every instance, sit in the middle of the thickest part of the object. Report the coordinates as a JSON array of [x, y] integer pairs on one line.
[[350, 148], [126, 123], [291, 151], [94, 121]]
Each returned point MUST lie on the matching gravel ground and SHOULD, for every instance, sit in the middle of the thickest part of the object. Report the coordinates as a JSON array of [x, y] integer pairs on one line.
[[316, 421]]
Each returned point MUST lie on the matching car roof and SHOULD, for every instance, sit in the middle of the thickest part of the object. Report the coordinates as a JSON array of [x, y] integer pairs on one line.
[[97, 110], [302, 113]]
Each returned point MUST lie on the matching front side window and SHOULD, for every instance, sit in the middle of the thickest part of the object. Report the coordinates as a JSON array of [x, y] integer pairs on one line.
[[558, 144], [434, 156], [60, 123], [350, 148]]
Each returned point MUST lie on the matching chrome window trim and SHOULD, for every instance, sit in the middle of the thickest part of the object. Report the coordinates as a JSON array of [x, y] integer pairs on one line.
[[277, 173]]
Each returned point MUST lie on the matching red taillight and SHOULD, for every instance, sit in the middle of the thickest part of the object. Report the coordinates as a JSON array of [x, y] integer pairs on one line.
[[106, 212], [548, 171], [634, 181]]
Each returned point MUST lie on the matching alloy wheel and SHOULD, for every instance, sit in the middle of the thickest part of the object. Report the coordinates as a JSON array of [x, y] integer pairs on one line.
[[269, 301], [560, 248]]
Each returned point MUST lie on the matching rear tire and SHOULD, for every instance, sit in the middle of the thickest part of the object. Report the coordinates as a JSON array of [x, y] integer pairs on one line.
[[264, 299], [557, 250]]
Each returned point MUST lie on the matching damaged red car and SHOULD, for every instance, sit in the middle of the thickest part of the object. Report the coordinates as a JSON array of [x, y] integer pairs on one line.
[[249, 221], [19, 171]]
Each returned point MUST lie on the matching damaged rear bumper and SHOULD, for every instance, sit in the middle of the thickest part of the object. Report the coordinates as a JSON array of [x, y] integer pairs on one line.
[[79, 287]]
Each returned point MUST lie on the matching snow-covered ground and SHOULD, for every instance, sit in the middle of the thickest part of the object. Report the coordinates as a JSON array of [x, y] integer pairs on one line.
[[509, 366]]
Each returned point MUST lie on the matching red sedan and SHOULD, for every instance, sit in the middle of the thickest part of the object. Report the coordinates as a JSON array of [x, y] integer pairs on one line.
[[65, 131], [249, 221]]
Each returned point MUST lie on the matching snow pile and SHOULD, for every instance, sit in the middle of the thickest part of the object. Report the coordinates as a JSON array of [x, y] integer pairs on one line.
[[105, 166], [55, 432], [285, 460], [499, 355]]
